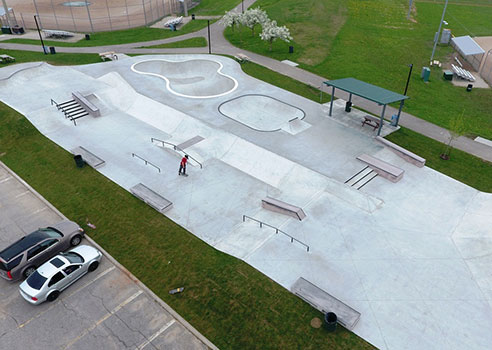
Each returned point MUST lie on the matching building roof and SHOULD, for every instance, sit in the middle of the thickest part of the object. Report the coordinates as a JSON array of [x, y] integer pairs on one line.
[[467, 45], [368, 91]]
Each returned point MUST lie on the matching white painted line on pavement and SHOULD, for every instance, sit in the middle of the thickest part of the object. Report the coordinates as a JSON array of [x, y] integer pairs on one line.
[[22, 194], [108, 315], [159, 332], [7, 179]]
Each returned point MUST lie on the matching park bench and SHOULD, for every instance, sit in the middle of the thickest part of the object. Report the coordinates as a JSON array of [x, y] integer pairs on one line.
[[88, 157], [384, 169], [242, 58], [88, 106], [325, 302], [150, 197], [371, 121], [58, 34], [6, 59], [402, 152], [282, 208], [173, 22], [110, 55]]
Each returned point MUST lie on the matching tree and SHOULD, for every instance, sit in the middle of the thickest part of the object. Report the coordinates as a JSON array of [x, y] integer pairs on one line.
[[252, 17], [456, 129], [272, 32], [231, 18]]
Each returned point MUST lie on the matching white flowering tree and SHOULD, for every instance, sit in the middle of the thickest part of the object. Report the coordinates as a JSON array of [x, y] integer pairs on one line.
[[231, 18], [252, 17], [272, 32]]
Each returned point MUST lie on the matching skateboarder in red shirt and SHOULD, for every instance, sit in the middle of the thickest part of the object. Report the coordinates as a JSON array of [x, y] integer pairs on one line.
[[182, 165]]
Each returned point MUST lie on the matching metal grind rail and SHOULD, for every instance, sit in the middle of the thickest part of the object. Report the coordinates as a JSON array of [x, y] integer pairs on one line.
[[176, 148], [277, 230], [146, 161]]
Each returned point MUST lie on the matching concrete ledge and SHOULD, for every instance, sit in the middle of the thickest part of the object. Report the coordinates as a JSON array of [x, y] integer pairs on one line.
[[150, 197], [402, 152], [324, 302], [283, 208], [89, 157], [384, 169], [86, 104]]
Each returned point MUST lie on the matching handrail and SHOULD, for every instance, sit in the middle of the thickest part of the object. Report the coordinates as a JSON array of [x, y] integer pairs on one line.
[[277, 230], [176, 148], [53, 101], [146, 161]]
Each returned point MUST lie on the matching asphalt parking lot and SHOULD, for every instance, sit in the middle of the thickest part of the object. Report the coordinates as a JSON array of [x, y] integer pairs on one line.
[[105, 309]]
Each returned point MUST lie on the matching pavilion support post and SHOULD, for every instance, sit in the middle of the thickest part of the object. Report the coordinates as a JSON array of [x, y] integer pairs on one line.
[[350, 98], [332, 99], [399, 112], [381, 121]]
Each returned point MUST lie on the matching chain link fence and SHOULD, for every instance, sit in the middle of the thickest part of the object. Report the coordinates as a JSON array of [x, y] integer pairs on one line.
[[96, 15], [486, 69]]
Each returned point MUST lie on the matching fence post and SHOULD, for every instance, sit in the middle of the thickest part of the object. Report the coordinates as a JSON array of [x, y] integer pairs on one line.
[[37, 13], [109, 16], [54, 14], [145, 14], [151, 13], [73, 20], [127, 15], [23, 23], [89, 16]]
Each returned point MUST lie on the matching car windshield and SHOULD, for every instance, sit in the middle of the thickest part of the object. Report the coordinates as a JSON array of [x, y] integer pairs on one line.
[[36, 281], [51, 232], [73, 257]]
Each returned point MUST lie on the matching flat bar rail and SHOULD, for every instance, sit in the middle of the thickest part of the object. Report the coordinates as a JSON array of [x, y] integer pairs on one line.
[[176, 148], [146, 161], [277, 230]]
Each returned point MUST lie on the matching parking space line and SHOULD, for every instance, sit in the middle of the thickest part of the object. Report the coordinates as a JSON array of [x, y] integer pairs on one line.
[[159, 332], [6, 179], [69, 295], [39, 210], [108, 315], [22, 194]]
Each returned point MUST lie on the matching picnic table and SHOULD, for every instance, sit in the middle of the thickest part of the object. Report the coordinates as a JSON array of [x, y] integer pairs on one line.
[[59, 34], [371, 121], [6, 59], [110, 55]]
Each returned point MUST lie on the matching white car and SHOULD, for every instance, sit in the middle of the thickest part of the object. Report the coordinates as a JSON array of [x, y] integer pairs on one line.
[[51, 278]]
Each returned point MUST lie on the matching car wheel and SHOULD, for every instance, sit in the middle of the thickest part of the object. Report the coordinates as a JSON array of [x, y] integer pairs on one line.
[[75, 240], [29, 271], [93, 266], [53, 296]]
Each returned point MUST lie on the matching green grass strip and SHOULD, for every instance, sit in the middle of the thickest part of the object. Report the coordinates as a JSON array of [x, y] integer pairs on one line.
[[192, 42], [119, 37], [461, 166]]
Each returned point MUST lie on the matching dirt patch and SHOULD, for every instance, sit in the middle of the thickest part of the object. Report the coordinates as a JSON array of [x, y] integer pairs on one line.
[[316, 322]]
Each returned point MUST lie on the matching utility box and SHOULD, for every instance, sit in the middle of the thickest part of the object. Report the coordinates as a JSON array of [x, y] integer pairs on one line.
[[446, 36], [448, 75], [426, 72]]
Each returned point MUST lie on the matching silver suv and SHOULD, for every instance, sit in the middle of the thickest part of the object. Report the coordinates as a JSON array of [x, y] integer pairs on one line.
[[23, 257]]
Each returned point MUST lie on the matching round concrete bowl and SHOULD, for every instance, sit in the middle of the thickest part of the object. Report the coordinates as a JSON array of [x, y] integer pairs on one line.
[[196, 78], [260, 112]]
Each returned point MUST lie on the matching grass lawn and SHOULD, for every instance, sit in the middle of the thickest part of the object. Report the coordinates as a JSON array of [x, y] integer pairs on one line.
[[60, 59], [211, 7], [228, 301], [125, 36], [373, 41], [192, 42]]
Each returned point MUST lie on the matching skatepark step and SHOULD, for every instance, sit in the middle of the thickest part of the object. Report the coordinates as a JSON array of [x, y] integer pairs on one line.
[[283, 208], [362, 178], [150, 197], [324, 302], [386, 170], [89, 157]]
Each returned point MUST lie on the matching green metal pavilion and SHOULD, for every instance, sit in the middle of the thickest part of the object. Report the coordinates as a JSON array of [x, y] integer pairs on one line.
[[369, 92]]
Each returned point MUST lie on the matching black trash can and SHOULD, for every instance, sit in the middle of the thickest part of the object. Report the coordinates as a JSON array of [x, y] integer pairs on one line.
[[6, 30], [348, 106], [469, 87], [291, 49], [87, 37], [192, 16], [52, 50], [78, 160], [330, 322]]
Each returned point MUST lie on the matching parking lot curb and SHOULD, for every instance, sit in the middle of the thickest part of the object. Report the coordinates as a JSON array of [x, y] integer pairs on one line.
[[147, 290]]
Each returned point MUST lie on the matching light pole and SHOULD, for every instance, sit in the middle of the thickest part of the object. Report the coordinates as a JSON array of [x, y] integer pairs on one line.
[[405, 93], [40, 37], [436, 37], [242, 6], [209, 45]]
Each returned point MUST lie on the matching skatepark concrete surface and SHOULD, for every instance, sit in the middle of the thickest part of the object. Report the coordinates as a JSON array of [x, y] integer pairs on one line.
[[413, 257]]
